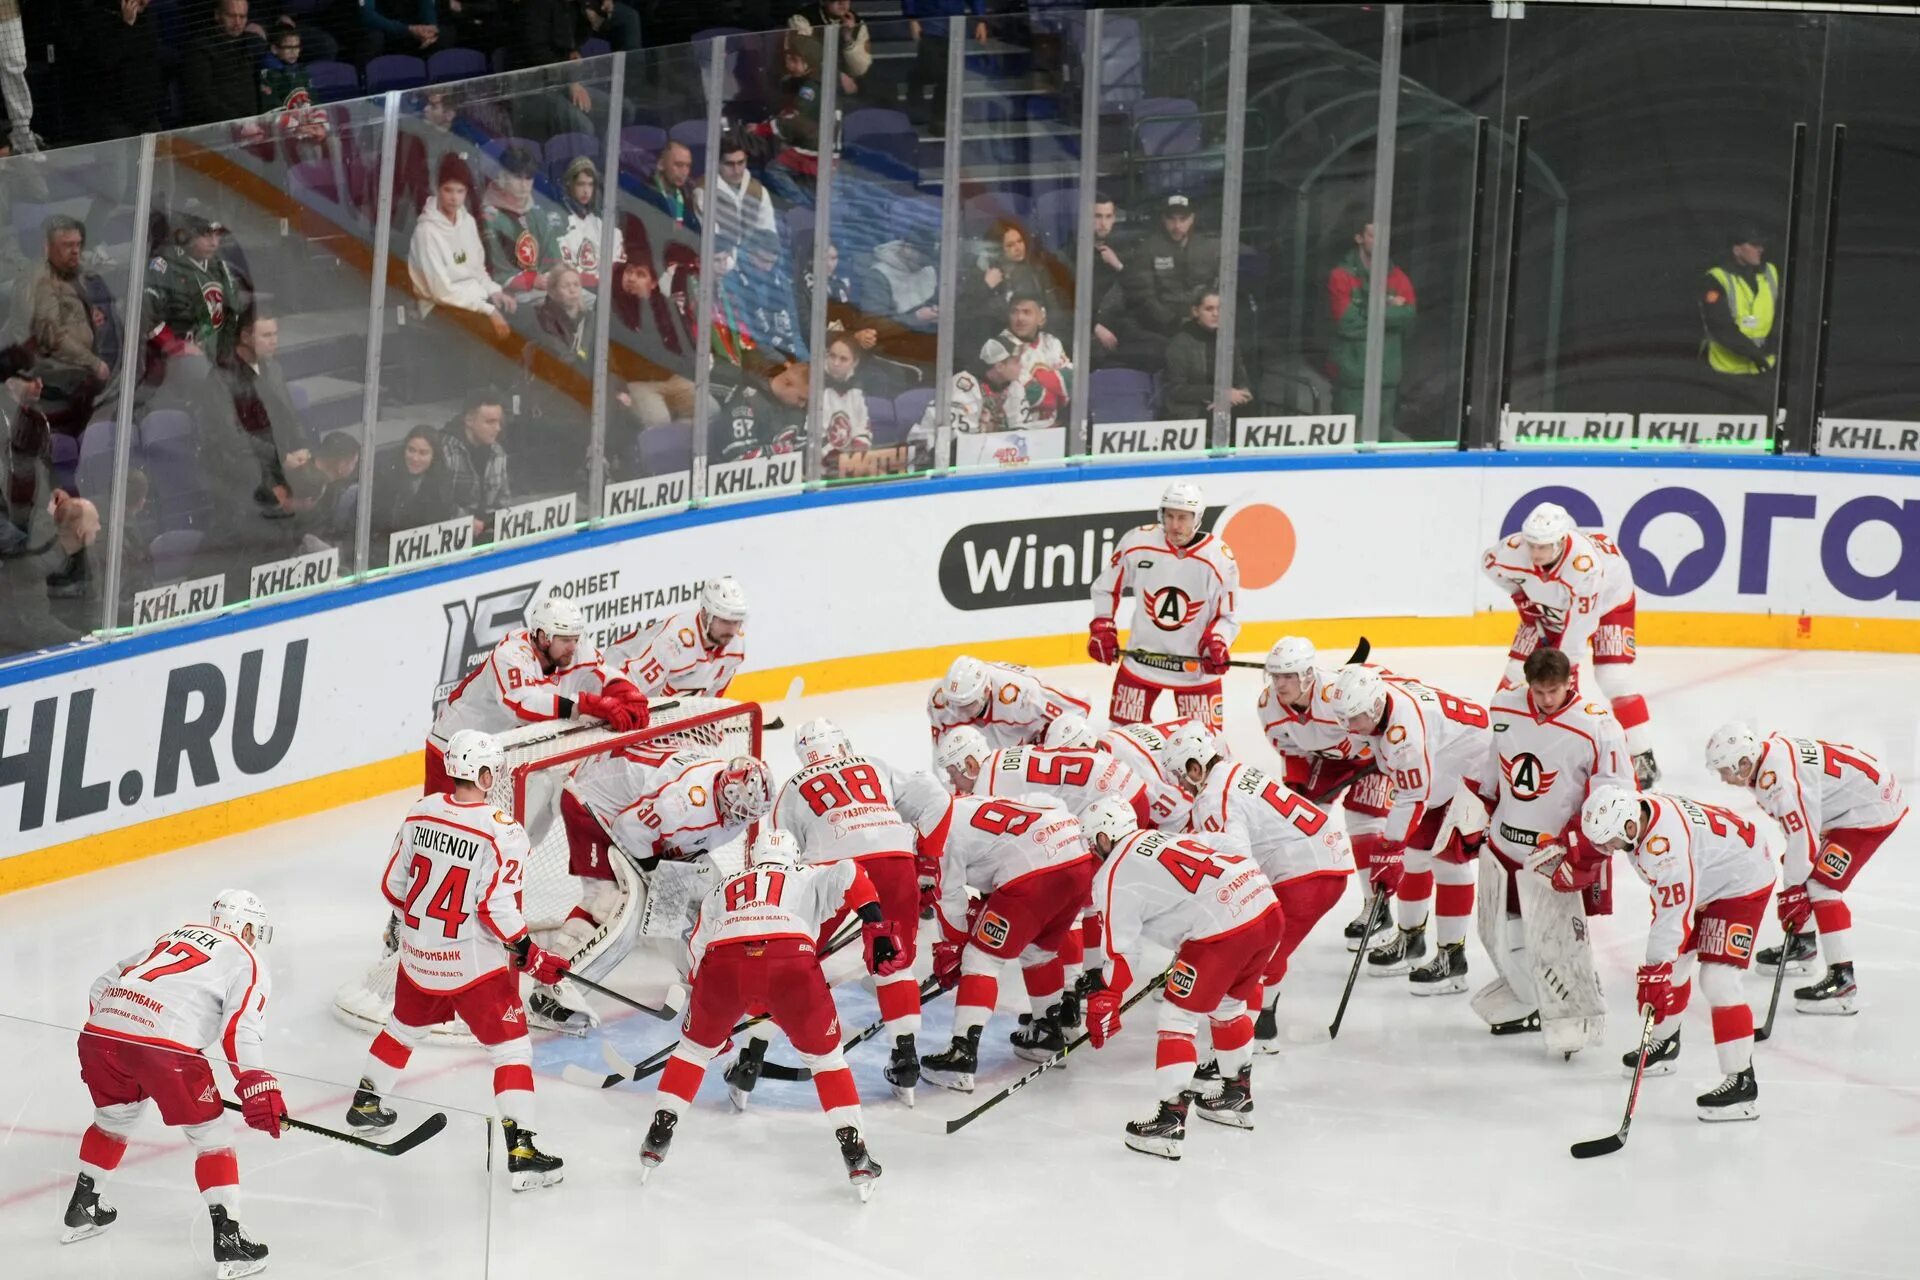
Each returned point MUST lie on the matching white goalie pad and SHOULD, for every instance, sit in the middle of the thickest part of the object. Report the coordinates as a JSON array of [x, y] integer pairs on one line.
[[1573, 1011], [1506, 944], [673, 894]]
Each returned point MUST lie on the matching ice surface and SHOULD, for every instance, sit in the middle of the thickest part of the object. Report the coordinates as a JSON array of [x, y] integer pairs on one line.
[[1415, 1145]]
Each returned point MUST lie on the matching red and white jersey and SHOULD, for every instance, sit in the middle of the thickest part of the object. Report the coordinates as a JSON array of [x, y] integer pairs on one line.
[[1428, 744], [1543, 768], [985, 844], [1692, 854], [511, 689], [1181, 596], [1018, 709], [1138, 746], [1813, 787], [1169, 889], [1590, 579], [669, 657], [772, 901], [455, 880], [1247, 811], [195, 988], [1075, 778], [1302, 735], [656, 802], [843, 809]]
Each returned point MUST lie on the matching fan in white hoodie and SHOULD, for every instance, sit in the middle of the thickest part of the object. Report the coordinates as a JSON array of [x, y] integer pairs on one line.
[[446, 261]]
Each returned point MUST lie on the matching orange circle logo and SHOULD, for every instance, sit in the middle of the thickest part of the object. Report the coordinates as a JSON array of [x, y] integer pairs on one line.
[[1263, 543]]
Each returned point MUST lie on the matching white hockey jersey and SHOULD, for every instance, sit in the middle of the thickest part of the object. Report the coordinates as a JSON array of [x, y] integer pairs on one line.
[[844, 409], [972, 407], [1181, 595], [1247, 811], [669, 657], [656, 802], [1310, 734], [843, 809], [1075, 778], [1018, 708], [763, 903], [1169, 889], [510, 689], [1813, 787], [1138, 746], [455, 880], [985, 844], [1692, 854], [196, 988], [1542, 768], [1590, 579], [1429, 743]]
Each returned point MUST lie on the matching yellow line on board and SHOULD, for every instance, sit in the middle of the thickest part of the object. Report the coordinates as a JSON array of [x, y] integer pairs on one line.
[[1331, 635]]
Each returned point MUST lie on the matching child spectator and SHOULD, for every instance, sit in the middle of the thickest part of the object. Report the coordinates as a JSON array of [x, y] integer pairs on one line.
[[856, 42], [523, 237], [580, 242]]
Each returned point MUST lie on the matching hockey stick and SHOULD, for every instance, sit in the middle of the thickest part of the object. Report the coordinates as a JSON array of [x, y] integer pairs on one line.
[[1182, 663], [781, 1071], [954, 1126], [665, 1015], [1373, 910], [398, 1147], [1779, 980], [1614, 1141]]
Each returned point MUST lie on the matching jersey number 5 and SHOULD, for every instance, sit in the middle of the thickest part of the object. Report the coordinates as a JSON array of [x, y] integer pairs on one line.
[[1298, 810], [445, 905]]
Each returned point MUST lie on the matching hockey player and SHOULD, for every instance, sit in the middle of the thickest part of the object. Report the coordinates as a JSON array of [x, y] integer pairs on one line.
[[681, 655], [149, 1016], [1074, 777], [1710, 880], [1550, 749], [1006, 702], [455, 880], [1320, 759], [1243, 810], [1574, 589], [540, 673], [1184, 582], [1838, 804], [1218, 913], [753, 952], [1137, 746], [1430, 745], [1027, 862]]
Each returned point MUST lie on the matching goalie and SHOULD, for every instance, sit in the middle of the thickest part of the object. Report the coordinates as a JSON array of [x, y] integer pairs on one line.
[[1551, 749]]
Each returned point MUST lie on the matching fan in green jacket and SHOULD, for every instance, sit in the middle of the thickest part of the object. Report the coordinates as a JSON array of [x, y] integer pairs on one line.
[[1348, 288]]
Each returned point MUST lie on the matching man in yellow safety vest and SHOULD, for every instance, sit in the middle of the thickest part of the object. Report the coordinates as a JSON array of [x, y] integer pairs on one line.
[[1740, 306]]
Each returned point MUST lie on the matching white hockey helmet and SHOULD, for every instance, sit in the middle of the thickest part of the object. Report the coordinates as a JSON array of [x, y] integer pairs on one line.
[[966, 681], [775, 845], [746, 789], [1189, 744], [959, 745], [1604, 817], [235, 909], [1181, 496], [1357, 693], [469, 751], [1108, 817], [820, 740], [1546, 524], [1070, 732], [724, 598], [555, 617], [1290, 656], [1732, 745]]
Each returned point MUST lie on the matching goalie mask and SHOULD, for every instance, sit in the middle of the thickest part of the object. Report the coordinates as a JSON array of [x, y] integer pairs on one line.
[[746, 790]]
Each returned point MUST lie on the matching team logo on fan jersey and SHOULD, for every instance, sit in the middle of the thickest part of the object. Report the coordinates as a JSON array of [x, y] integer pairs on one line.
[[216, 299], [525, 251], [1180, 982], [1527, 778], [1834, 861], [993, 929], [1170, 608]]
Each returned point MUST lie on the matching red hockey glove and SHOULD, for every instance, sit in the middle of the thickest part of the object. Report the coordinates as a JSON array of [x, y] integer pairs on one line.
[[1103, 641], [619, 715], [1385, 866], [546, 967], [1562, 869], [886, 950], [1214, 658], [1529, 611], [1103, 1016], [260, 1102], [1795, 908], [1655, 989]]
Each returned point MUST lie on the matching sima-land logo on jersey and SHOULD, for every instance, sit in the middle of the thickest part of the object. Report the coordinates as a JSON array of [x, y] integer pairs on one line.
[[1527, 778], [474, 627]]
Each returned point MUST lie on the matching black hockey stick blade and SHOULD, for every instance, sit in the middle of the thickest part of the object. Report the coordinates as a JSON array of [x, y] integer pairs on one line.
[[1373, 908], [1614, 1141], [770, 725], [1360, 651], [781, 1071], [1779, 980], [398, 1147], [665, 1015]]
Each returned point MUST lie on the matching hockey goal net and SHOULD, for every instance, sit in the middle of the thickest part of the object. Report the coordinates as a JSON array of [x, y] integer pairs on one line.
[[539, 758]]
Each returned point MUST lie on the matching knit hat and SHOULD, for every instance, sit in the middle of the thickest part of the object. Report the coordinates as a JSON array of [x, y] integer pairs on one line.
[[453, 169]]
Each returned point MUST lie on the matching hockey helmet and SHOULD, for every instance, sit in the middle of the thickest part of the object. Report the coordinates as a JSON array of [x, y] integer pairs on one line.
[[1357, 693], [1069, 732], [820, 740], [1108, 817], [555, 617], [1605, 815], [1732, 746], [1189, 744], [776, 846], [724, 598], [746, 789], [957, 746], [470, 751], [1546, 525], [235, 909], [1181, 496], [966, 682]]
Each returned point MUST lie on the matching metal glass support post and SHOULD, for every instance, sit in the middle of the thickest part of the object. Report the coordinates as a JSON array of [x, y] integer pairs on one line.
[[826, 147], [1386, 140], [376, 332], [1789, 290], [703, 306], [132, 349], [949, 249], [1823, 333], [1509, 322], [1083, 299], [608, 192], [1238, 41], [1476, 215]]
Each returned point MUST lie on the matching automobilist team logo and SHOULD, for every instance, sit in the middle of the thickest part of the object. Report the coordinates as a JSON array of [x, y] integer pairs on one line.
[[1527, 778]]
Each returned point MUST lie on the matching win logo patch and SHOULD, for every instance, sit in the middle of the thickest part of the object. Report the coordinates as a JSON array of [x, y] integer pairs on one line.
[[993, 929], [1834, 861], [1180, 981]]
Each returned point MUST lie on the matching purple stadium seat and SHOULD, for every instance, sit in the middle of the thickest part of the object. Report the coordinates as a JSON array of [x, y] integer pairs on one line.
[[93, 473], [333, 81], [1056, 215], [164, 427], [594, 47], [643, 137], [1122, 395], [395, 71], [455, 64], [981, 211], [1122, 63], [871, 120], [666, 448], [173, 553], [910, 406], [66, 457], [563, 148], [1164, 128]]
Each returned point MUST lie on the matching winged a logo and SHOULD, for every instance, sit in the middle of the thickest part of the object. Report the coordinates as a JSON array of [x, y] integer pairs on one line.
[[1527, 778]]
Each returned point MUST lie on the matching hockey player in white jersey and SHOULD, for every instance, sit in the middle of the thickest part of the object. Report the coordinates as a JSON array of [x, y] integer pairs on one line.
[[1217, 913], [752, 951], [1574, 591], [687, 653], [1433, 748], [1074, 777], [1241, 809], [455, 880], [1551, 748], [1837, 804], [1184, 583], [1007, 703], [200, 986], [540, 673], [1324, 761], [1710, 879], [1138, 746]]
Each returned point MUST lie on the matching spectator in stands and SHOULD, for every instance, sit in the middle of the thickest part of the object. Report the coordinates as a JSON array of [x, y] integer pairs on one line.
[[1027, 321], [1007, 270], [839, 291], [267, 18], [470, 446], [398, 26], [667, 189], [46, 530], [1740, 309], [741, 205], [757, 282], [580, 242], [522, 233], [194, 297], [1118, 340], [1186, 390], [1348, 291], [843, 404], [333, 515], [119, 48], [756, 423], [425, 140], [446, 260], [649, 325], [252, 439], [73, 327], [928, 23], [284, 83], [217, 72], [566, 321], [414, 488], [1170, 265], [856, 47], [614, 21], [544, 33], [13, 79], [795, 128]]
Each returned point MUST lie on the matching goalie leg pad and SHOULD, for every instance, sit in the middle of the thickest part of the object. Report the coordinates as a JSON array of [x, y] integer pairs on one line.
[[1572, 1006]]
